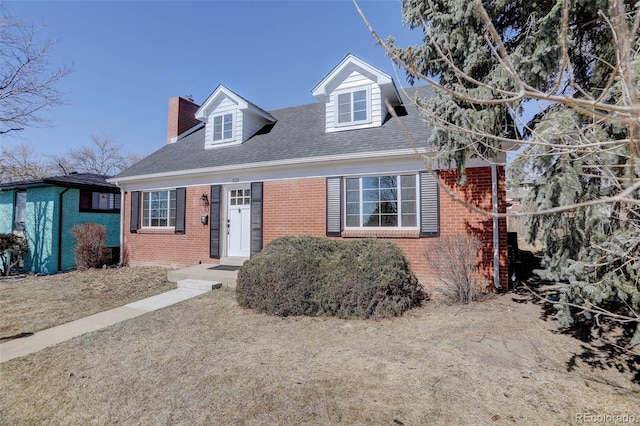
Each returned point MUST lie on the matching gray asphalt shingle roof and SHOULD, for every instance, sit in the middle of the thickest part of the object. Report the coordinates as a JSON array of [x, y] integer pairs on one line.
[[299, 133], [73, 180]]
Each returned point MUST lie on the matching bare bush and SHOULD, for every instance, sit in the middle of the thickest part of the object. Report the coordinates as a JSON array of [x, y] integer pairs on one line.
[[454, 261], [91, 238]]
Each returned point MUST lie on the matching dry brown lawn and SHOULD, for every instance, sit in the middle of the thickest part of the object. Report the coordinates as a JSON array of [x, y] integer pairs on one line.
[[208, 362], [38, 302]]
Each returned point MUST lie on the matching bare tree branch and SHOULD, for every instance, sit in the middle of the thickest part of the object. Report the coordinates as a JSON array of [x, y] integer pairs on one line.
[[28, 79], [102, 156]]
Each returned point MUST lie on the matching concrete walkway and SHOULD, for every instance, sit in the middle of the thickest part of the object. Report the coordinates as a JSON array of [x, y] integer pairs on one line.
[[52, 336]]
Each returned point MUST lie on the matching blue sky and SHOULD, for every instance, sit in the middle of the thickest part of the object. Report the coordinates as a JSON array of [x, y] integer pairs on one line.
[[130, 57]]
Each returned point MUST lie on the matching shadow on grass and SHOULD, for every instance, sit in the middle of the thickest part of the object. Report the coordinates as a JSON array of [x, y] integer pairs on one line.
[[15, 336], [605, 343]]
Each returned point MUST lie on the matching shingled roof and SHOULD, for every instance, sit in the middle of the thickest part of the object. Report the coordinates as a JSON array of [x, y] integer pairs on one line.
[[73, 180], [298, 134]]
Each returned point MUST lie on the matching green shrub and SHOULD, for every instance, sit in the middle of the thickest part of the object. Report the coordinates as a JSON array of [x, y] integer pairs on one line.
[[91, 238], [318, 276], [369, 279], [282, 278]]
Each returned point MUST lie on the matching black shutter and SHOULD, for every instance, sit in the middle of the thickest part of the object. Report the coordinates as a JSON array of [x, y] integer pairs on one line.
[[256, 217], [181, 201], [214, 222], [135, 212], [334, 206], [429, 205]]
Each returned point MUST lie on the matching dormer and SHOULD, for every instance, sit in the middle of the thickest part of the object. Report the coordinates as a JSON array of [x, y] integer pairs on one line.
[[230, 119], [353, 94]]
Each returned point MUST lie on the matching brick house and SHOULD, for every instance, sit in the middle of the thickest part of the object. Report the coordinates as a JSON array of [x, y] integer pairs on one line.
[[233, 177]]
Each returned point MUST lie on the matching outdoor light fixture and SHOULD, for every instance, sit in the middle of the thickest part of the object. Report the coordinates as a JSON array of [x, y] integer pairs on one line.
[[204, 200]]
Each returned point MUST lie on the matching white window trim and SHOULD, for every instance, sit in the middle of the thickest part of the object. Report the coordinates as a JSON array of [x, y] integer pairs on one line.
[[213, 128], [20, 210], [146, 224], [418, 202], [336, 109]]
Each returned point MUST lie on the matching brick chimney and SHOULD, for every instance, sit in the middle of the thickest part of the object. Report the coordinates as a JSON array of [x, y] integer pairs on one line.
[[182, 113]]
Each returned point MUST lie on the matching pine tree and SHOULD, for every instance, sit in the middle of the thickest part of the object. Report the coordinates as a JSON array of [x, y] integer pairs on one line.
[[580, 59]]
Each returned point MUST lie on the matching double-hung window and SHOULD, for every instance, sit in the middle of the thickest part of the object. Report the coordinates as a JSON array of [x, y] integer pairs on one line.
[[381, 201], [159, 208], [353, 107], [223, 127]]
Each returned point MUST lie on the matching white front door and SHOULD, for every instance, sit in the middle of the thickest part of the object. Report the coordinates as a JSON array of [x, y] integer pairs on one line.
[[239, 222]]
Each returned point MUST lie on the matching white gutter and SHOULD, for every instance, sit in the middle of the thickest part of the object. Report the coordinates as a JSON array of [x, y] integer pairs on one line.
[[275, 163], [496, 230]]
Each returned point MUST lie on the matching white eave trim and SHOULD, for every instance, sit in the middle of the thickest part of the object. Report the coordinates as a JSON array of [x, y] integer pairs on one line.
[[221, 90], [262, 113], [382, 78], [275, 163]]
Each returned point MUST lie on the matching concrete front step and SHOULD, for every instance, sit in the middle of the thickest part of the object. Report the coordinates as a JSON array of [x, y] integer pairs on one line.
[[233, 261], [201, 285], [204, 272]]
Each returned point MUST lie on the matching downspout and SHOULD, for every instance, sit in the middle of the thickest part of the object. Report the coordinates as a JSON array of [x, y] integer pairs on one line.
[[60, 230], [496, 229], [123, 202]]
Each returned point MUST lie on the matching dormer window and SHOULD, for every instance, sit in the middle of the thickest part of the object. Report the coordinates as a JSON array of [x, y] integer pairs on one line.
[[230, 119], [355, 96], [223, 127], [353, 107]]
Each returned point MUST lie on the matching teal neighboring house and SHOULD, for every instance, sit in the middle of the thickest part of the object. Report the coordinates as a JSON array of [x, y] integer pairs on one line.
[[45, 210]]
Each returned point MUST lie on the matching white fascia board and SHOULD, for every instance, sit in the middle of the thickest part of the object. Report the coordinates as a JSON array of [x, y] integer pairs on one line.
[[276, 163], [382, 78], [394, 165], [262, 113], [420, 155], [390, 91], [202, 112], [401, 164]]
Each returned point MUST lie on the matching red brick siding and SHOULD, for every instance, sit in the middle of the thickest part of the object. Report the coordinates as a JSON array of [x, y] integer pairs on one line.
[[294, 207], [456, 218], [182, 116], [298, 207], [163, 247]]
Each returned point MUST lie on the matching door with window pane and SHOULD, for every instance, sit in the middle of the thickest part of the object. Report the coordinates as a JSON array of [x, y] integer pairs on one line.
[[239, 222]]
